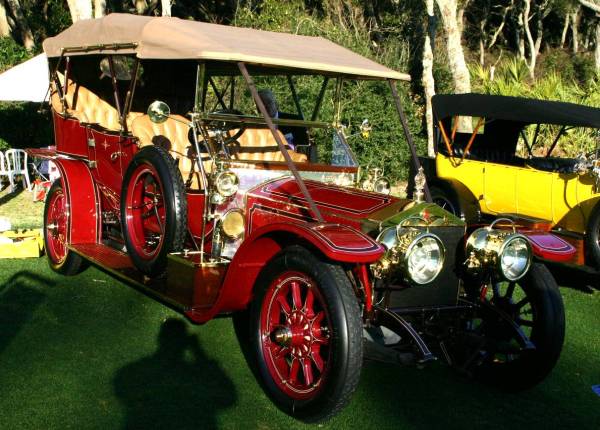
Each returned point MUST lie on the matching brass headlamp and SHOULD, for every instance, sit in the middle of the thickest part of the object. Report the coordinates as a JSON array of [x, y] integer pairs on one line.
[[416, 255], [499, 252]]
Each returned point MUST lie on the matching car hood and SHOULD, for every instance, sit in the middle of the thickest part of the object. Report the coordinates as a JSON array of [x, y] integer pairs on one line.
[[365, 210]]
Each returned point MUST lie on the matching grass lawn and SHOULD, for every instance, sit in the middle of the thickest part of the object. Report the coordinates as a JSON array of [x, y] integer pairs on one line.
[[20, 208], [89, 352]]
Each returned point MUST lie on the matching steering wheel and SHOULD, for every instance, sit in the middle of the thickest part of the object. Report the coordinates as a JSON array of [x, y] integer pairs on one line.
[[221, 126]]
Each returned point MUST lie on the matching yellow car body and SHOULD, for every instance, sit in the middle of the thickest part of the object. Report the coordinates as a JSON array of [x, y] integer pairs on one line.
[[488, 164], [563, 199]]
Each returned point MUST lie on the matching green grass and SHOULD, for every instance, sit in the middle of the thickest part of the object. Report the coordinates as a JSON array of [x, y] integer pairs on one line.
[[86, 352], [20, 208]]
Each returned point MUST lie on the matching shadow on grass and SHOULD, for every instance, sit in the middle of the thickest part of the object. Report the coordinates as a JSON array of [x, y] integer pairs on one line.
[[10, 195], [176, 387], [17, 303], [582, 278]]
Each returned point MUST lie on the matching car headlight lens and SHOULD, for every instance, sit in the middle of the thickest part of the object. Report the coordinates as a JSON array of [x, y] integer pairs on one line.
[[227, 183], [233, 224], [417, 256], [515, 258], [425, 259], [502, 252]]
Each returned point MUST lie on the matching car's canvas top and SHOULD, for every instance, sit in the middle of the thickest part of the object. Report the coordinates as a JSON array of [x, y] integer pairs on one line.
[[515, 109], [174, 38]]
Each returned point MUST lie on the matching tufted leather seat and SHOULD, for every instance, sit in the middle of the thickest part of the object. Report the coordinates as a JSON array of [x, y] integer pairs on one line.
[[258, 144], [87, 107]]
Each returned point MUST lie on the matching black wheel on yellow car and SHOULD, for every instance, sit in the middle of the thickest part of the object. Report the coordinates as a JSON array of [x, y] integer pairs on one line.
[[592, 238], [306, 334], [446, 199], [56, 227], [153, 209], [516, 337]]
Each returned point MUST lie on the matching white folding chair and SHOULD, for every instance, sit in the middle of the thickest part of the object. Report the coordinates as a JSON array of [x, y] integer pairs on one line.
[[5, 172], [17, 165]]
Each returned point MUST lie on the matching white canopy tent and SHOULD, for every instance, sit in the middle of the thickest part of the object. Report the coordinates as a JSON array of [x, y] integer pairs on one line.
[[27, 82]]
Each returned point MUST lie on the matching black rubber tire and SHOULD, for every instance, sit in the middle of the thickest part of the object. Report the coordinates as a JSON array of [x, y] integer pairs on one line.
[[347, 340], [592, 238], [547, 334], [445, 199], [73, 263], [175, 202]]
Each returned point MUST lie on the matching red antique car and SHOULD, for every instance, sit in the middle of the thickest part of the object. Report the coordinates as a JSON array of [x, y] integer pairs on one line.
[[205, 205]]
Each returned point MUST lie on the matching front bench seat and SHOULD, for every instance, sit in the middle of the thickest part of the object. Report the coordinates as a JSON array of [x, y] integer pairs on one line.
[[258, 144]]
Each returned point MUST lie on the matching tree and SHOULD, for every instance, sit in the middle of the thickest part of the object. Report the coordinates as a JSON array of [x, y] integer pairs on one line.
[[540, 11], [166, 7], [4, 24], [16, 12], [80, 9], [456, 56], [594, 5], [427, 79], [99, 8]]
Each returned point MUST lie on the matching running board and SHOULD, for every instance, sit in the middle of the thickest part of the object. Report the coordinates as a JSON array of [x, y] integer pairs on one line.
[[189, 283]]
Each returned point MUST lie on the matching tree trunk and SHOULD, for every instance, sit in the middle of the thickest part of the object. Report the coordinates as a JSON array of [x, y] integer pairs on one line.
[[427, 79], [533, 46], [99, 8], [166, 7], [456, 57], [575, 29], [140, 6], [597, 49], [519, 36], [24, 30], [4, 25], [80, 9], [563, 36]]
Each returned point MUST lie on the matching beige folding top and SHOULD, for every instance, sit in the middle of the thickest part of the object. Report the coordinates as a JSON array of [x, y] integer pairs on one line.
[[174, 38]]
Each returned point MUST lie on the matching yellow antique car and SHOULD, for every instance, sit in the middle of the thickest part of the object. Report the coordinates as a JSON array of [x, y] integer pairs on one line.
[[499, 166]]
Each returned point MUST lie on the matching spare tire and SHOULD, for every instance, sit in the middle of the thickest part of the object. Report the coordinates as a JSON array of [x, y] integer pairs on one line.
[[153, 209]]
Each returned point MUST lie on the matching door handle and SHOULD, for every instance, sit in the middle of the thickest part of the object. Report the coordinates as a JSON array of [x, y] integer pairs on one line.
[[115, 155]]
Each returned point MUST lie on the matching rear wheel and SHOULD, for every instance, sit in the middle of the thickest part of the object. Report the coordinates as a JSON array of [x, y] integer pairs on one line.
[[56, 228], [592, 238], [153, 209], [306, 334], [516, 339], [445, 200]]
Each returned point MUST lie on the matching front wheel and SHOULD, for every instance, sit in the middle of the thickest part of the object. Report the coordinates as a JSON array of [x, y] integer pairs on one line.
[[306, 334], [518, 334], [56, 227]]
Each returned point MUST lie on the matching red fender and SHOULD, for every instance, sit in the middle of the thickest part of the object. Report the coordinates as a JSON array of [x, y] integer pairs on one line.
[[83, 199], [548, 246], [336, 242]]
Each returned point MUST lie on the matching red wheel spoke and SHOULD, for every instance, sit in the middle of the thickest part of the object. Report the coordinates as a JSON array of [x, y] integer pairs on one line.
[[284, 305], [309, 303], [316, 357], [294, 369], [296, 297], [307, 370]]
